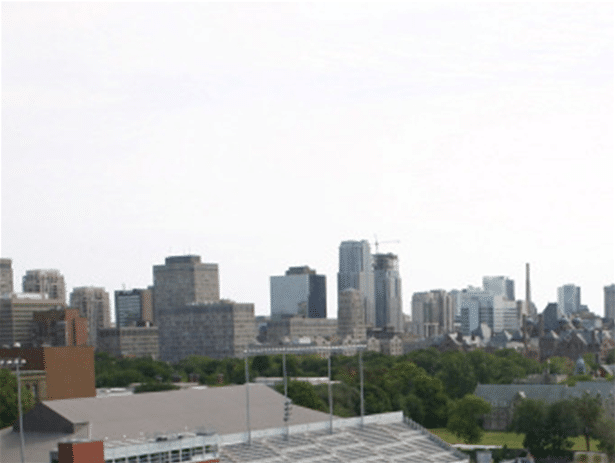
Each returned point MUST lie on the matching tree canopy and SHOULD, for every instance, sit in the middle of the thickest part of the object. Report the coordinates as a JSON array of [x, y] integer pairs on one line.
[[9, 411]]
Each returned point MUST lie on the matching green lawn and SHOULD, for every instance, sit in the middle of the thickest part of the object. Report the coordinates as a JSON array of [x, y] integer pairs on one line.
[[510, 439]]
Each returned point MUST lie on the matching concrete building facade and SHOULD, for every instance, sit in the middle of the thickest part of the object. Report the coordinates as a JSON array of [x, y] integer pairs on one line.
[[133, 307], [300, 292], [609, 301], [184, 280], [569, 299], [6, 276], [356, 271], [351, 314], [215, 329], [17, 316], [93, 304], [387, 291], [133, 341], [47, 282]]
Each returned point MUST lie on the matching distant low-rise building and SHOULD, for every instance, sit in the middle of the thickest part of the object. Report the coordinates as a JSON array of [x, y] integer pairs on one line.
[[296, 328], [129, 341]]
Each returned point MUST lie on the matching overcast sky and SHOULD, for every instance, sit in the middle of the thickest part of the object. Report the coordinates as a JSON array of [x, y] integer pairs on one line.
[[260, 136]]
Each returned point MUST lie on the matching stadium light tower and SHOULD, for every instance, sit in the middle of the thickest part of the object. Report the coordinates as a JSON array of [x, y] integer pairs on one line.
[[17, 362]]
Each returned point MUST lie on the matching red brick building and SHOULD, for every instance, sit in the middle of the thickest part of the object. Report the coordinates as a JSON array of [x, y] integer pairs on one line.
[[53, 373], [60, 327]]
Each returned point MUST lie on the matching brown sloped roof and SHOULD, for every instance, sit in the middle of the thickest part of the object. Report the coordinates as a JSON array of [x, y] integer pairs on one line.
[[221, 409]]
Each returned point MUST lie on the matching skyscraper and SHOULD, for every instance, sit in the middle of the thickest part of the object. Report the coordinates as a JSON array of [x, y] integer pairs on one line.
[[6, 276], [93, 304], [133, 307], [300, 292], [356, 271], [433, 313], [569, 299], [47, 282], [184, 280], [609, 301], [387, 289], [500, 286]]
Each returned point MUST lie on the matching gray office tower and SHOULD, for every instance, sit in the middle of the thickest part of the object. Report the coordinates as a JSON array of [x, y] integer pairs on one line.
[[299, 292], [569, 299], [387, 288], [500, 286], [184, 280], [356, 271]]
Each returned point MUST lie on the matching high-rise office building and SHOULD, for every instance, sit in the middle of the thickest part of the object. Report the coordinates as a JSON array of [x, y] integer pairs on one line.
[[356, 271], [47, 282], [351, 314], [476, 307], [433, 313], [500, 286], [133, 307], [93, 304], [300, 292], [609, 301], [6, 276], [387, 289], [569, 299], [184, 280]]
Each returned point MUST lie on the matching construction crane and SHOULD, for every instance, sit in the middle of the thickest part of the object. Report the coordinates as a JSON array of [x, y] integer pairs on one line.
[[376, 242]]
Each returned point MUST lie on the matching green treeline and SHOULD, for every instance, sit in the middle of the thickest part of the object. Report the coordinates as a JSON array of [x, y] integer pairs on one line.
[[424, 384]]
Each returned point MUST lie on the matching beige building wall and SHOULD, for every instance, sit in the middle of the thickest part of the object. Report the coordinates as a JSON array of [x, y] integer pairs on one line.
[[351, 314], [93, 304], [433, 313], [184, 280]]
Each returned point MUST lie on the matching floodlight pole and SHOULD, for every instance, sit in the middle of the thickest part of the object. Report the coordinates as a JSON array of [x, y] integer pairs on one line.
[[23, 444], [330, 396], [284, 373], [18, 362], [248, 401], [361, 377]]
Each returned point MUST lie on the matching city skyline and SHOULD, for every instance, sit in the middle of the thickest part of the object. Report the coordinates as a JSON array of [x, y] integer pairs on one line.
[[261, 136]]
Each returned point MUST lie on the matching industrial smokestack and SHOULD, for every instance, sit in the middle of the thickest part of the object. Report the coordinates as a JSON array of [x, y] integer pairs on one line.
[[528, 296]]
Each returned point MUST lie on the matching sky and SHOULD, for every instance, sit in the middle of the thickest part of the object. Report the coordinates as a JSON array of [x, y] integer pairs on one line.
[[476, 137]]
